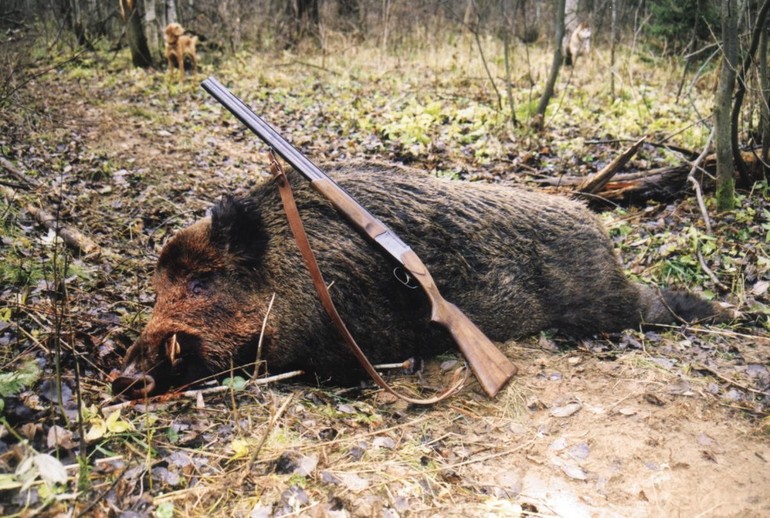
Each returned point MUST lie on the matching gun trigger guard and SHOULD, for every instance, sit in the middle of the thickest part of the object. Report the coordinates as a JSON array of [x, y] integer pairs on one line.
[[404, 278]]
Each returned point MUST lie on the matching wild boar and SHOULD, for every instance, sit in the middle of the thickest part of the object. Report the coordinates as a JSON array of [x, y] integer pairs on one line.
[[516, 262]]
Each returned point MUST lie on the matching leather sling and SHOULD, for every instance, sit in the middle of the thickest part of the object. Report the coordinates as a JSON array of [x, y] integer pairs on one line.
[[298, 231]]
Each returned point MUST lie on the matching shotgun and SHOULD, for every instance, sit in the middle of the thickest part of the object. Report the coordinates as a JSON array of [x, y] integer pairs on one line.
[[491, 367]]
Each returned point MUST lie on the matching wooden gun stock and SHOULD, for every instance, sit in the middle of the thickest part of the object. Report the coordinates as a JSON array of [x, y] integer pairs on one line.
[[488, 364], [491, 367]]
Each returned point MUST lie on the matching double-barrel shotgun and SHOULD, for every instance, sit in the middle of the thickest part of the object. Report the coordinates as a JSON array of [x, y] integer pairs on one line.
[[490, 366]]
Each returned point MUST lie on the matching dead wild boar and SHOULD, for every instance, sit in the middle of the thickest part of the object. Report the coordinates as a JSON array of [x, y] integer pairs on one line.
[[516, 262]]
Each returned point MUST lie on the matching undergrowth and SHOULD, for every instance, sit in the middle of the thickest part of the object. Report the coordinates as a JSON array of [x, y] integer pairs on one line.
[[137, 155]]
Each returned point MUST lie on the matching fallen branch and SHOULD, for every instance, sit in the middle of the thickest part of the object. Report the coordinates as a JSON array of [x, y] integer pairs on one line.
[[696, 185], [701, 367], [270, 426], [195, 394], [71, 236], [594, 184], [663, 145], [28, 181]]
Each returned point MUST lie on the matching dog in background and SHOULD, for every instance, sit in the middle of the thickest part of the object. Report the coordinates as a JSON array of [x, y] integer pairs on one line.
[[179, 45], [578, 44]]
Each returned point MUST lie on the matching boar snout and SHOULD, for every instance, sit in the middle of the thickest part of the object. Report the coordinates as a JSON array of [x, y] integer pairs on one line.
[[160, 358], [134, 386]]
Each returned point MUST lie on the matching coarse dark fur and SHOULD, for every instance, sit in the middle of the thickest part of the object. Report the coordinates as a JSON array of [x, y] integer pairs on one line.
[[516, 262]]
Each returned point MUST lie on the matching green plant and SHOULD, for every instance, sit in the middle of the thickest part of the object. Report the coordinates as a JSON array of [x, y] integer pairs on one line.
[[23, 376], [673, 22]]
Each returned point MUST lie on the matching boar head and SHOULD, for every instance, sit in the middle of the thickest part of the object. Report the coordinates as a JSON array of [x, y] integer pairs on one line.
[[208, 310]]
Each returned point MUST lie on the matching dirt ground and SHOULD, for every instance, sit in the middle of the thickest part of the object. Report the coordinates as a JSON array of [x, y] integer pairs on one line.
[[657, 424]]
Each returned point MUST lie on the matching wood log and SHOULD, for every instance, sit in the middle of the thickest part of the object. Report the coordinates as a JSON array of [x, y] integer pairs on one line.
[[596, 182], [72, 237]]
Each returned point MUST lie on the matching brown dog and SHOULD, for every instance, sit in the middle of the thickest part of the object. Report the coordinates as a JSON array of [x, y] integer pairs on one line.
[[178, 44]]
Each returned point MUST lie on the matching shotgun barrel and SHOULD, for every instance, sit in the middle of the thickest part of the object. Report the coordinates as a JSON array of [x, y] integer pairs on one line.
[[490, 366]]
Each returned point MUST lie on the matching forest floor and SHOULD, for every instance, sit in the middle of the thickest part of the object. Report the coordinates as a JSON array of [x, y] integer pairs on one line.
[[666, 423]]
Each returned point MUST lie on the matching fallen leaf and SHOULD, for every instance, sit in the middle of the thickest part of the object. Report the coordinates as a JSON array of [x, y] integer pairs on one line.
[[384, 442], [306, 464], [346, 409], [117, 425], [261, 511], [580, 451], [573, 471], [240, 448], [566, 410], [760, 288], [59, 437], [51, 469], [353, 482]]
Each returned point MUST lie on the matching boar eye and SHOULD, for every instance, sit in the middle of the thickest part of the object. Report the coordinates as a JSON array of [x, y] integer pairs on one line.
[[197, 286]]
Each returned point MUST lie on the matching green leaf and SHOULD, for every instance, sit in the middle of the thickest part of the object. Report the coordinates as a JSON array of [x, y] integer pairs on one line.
[[236, 382], [164, 510], [23, 376], [117, 425], [240, 448], [97, 431], [8, 481], [172, 435]]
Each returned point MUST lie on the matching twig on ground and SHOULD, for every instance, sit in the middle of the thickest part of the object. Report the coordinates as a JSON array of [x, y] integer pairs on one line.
[[710, 273], [696, 184], [701, 367], [28, 181], [194, 394], [268, 431], [663, 145], [485, 458], [262, 335], [406, 365], [71, 236]]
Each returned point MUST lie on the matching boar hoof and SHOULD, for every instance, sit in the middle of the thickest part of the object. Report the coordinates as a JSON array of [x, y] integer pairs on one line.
[[133, 387]]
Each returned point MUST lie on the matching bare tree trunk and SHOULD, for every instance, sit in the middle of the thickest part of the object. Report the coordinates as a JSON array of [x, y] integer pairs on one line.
[[230, 12], [81, 17], [352, 12], [764, 83], [78, 27], [507, 28], [570, 16], [747, 178], [152, 31], [555, 65], [307, 17], [385, 23], [722, 104], [472, 22], [137, 42], [171, 12], [613, 39]]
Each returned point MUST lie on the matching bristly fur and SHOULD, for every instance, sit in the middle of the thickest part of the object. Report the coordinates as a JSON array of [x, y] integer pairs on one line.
[[237, 227], [515, 262], [679, 306]]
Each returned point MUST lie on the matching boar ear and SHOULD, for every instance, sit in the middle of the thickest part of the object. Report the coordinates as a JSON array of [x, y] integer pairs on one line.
[[236, 227]]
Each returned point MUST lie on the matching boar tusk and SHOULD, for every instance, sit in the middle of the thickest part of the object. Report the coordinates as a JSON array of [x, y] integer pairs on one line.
[[173, 348]]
